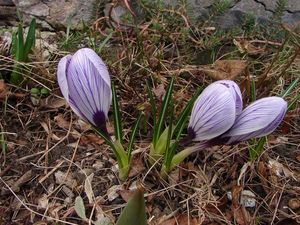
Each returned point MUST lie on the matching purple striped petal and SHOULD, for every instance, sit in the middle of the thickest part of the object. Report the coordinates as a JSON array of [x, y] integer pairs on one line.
[[62, 76], [260, 118], [85, 83], [214, 112], [236, 93]]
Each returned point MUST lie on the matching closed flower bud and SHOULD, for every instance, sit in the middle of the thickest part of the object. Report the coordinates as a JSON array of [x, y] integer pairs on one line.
[[85, 84], [215, 110], [259, 119], [236, 93]]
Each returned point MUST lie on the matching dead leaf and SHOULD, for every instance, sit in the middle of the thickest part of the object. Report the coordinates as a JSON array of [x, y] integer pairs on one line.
[[65, 179], [294, 203], [88, 188], [298, 158], [138, 166], [113, 192], [3, 89], [125, 194], [183, 219], [53, 103], [262, 170], [226, 69], [242, 216], [43, 202], [61, 122], [246, 46], [91, 138], [159, 91], [280, 170], [19, 183]]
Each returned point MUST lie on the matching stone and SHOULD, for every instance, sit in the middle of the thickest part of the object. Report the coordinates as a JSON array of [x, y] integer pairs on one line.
[[6, 3], [252, 7], [291, 5], [57, 14]]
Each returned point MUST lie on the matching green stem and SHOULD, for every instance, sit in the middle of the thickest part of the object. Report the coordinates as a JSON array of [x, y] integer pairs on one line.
[[180, 156], [122, 158]]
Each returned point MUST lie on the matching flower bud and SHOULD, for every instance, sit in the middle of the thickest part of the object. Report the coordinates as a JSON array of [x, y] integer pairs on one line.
[[215, 110], [85, 84], [259, 119]]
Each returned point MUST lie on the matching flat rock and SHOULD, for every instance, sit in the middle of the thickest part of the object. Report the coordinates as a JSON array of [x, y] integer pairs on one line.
[[57, 14], [291, 5]]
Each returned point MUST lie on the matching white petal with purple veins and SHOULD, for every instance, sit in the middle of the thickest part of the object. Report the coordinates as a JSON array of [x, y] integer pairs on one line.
[[260, 118], [62, 76], [213, 113], [85, 83], [236, 92]]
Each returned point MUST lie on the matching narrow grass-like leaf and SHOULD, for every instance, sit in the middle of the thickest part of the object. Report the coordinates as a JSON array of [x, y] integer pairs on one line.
[[257, 150], [253, 90], [3, 142], [293, 101], [164, 109], [133, 133], [16, 75], [185, 113], [79, 208], [117, 117], [153, 108], [110, 143], [134, 212], [288, 90], [105, 41], [30, 39], [14, 44], [169, 151], [20, 44]]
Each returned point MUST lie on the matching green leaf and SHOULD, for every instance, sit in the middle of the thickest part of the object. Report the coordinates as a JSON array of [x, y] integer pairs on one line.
[[117, 117], [287, 91], [133, 133], [79, 208], [109, 142], [14, 44], [253, 90], [185, 114], [163, 112], [134, 212], [169, 151], [293, 101], [20, 44], [105, 41], [153, 107], [163, 141], [257, 150], [30, 39], [119, 152]]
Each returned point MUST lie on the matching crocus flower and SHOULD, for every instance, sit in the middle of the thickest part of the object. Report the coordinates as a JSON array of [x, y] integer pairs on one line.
[[85, 84], [215, 110], [259, 119]]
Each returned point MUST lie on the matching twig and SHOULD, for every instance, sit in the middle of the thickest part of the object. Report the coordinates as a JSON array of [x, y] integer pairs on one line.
[[31, 210]]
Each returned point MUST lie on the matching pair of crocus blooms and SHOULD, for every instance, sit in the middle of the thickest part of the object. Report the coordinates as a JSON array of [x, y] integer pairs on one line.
[[217, 115], [218, 118]]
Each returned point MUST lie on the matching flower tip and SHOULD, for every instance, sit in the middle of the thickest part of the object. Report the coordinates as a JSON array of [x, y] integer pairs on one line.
[[259, 119]]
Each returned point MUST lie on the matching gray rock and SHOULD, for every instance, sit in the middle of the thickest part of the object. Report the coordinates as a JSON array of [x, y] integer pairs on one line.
[[252, 7], [6, 3], [57, 14], [291, 5]]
